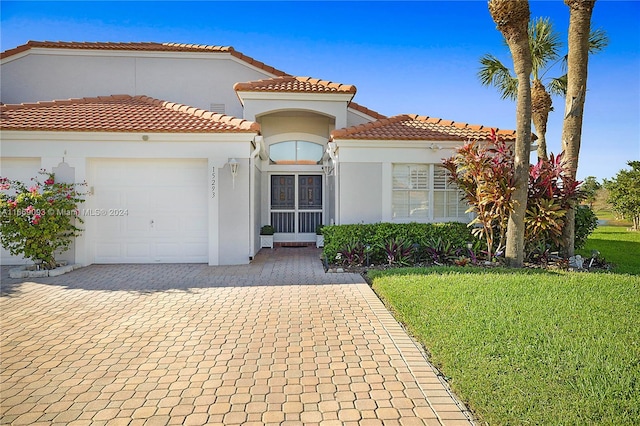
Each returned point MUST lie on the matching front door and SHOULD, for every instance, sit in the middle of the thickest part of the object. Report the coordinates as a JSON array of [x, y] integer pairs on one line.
[[296, 206]]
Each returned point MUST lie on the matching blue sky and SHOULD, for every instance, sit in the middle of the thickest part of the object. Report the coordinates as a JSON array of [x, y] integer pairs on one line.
[[417, 57]]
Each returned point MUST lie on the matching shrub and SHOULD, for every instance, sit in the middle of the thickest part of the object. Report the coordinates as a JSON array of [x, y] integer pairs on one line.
[[374, 237], [586, 223], [39, 220], [267, 230], [485, 175]]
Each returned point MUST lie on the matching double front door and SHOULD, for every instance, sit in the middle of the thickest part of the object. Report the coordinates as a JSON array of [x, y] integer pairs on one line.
[[296, 206]]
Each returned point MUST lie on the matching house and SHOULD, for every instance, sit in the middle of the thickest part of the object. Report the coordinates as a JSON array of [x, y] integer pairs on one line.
[[187, 150]]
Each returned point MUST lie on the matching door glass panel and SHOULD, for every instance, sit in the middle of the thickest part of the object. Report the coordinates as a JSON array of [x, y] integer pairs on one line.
[[310, 192], [283, 192]]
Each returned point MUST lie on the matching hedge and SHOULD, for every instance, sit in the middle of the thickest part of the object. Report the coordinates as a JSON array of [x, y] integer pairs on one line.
[[375, 235]]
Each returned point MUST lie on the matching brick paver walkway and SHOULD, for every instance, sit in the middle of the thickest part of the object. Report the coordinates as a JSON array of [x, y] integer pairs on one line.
[[274, 342]]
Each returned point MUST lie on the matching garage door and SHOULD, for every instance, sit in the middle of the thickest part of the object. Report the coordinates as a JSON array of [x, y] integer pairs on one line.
[[148, 211], [22, 169]]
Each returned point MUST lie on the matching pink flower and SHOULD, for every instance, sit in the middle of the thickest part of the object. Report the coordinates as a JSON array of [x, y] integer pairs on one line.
[[48, 181], [29, 210], [68, 196], [36, 219], [34, 189], [12, 203], [4, 186]]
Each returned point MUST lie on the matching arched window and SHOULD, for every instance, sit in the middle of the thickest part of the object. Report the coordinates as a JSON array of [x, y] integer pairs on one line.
[[296, 152]]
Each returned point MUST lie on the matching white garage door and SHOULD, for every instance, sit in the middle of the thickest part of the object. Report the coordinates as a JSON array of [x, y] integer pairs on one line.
[[22, 169], [148, 211]]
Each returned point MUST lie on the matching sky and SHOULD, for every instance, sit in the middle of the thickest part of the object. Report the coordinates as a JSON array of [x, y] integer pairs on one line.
[[414, 57]]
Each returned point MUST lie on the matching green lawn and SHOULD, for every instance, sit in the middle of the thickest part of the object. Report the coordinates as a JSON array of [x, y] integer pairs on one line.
[[618, 246], [531, 346]]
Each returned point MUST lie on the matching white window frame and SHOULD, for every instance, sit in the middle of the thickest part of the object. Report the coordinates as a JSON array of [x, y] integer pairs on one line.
[[430, 190]]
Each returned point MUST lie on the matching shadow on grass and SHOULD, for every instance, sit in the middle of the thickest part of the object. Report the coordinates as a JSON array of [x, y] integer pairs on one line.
[[454, 270], [623, 255]]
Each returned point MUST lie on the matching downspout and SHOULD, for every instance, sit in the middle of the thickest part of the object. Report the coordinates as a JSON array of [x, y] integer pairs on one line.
[[252, 198]]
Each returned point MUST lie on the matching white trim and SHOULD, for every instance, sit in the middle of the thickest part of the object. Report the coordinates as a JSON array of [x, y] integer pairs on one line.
[[40, 135]]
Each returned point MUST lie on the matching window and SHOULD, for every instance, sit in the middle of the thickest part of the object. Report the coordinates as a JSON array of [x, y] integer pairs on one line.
[[296, 152], [410, 191], [421, 192], [447, 199]]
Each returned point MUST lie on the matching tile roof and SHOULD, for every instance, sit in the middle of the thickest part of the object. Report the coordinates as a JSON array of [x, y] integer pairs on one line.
[[415, 127], [367, 111], [118, 113], [294, 84], [143, 46]]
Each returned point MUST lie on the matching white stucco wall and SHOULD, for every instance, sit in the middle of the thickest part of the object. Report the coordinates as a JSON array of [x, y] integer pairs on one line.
[[194, 79], [360, 193], [365, 174], [228, 212], [234, 215]]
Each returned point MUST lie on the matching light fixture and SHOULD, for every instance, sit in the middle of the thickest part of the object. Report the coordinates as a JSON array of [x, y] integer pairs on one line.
[[327, 168], [233, 165]]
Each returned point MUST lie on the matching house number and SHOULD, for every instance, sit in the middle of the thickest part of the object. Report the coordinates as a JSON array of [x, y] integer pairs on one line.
[[213, 182]]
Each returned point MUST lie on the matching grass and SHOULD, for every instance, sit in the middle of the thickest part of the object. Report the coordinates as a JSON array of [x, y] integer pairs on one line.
[[616, 245], [531, 346]]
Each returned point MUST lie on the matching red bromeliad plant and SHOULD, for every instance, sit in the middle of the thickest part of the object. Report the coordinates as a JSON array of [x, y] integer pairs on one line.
[[484, 173]]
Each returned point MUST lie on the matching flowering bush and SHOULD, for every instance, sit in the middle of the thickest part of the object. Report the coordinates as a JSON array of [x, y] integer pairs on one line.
[[39, 219]]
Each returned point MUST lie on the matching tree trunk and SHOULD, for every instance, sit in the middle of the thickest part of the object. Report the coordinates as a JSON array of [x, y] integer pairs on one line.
[[540, 107], [512, 19], [580, 12]]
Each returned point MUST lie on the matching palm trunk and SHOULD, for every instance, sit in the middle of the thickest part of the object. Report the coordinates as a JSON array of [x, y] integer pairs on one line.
[[514, 251], [512, 18], [580, 12], [540, 107]]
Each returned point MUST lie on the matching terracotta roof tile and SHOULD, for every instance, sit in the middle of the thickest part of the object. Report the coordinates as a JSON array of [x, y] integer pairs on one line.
[[118, 113], [367, 111], [294, 84], [143, 46], [414, 127]]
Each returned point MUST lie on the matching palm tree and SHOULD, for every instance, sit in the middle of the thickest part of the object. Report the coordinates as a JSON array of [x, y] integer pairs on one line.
[[511, 18], [580, 12], [545, 45]]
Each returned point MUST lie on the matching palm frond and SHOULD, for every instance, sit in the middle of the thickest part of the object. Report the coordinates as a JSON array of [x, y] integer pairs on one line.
[[544, 42], [494, 73], [558, 86], [598, 40]]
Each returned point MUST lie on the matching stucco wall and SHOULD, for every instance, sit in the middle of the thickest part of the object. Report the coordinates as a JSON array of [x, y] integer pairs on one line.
[[197, 80], [272, 125], [234, 215], [360, 192]]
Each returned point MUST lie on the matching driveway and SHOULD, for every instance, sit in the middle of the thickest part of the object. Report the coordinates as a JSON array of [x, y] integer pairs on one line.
[[277, 342]]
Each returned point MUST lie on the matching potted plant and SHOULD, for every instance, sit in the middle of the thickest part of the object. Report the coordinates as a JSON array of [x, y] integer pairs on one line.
[[319, 236], [266, 236]]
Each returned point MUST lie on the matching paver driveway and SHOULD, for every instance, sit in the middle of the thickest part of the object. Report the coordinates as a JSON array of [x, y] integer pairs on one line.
[[274, 342]]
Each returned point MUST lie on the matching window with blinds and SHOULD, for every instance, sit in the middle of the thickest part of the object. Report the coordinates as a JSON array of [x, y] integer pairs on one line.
[[447, 199], [410, 191], [423, 192]]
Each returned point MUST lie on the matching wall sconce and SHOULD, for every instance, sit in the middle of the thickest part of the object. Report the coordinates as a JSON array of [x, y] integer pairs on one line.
[[233, 165], [435, 147], [327, 168]]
